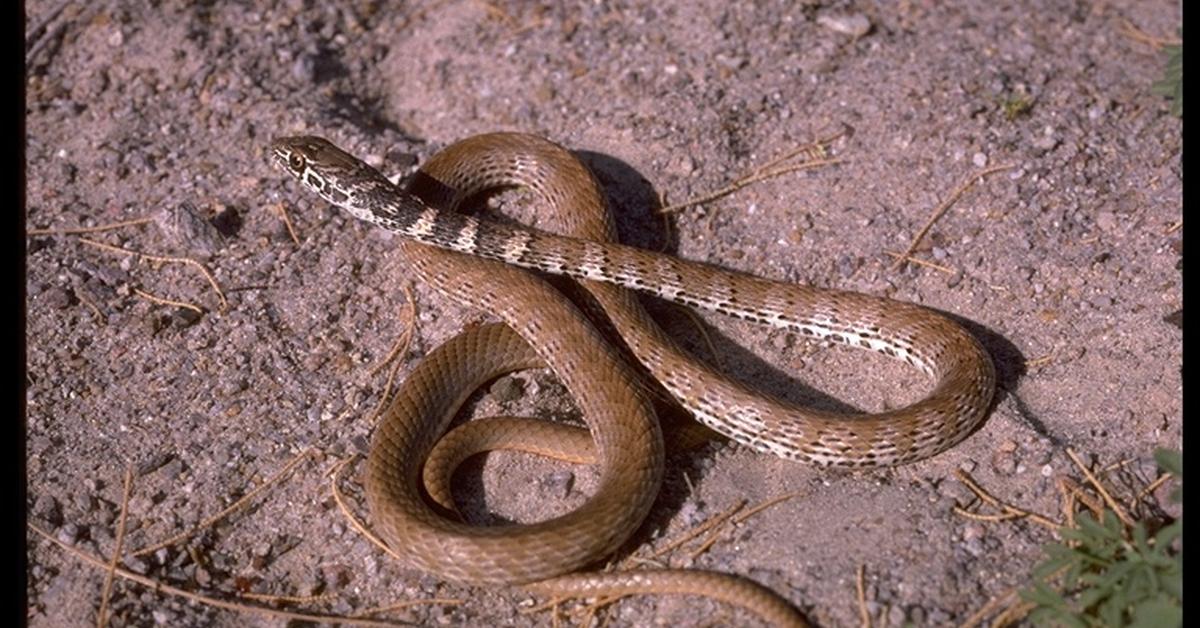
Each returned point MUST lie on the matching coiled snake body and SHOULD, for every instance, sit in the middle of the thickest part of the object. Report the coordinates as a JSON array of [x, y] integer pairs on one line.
[[627, 439]]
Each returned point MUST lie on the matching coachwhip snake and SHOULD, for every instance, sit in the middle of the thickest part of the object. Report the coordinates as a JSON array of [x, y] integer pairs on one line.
[[627, 439]]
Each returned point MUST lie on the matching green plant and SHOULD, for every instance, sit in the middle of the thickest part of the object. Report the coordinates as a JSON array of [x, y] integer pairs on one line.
[[1016, 106], [1171, 83], [1113, 574]]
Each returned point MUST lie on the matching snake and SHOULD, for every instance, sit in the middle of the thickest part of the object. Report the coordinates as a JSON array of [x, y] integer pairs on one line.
[[483, 262]]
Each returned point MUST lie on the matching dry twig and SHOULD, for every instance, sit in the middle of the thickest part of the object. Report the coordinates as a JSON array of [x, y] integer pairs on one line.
[[355, 523], [942, 208], [1008, 511], [102, 614], [287, 222], [920, 262], [231, 508], [860, 586], [815, 153], [96, 229], [1112, 503], [161, 587], [163, 301], [166, 260], [701, 529]]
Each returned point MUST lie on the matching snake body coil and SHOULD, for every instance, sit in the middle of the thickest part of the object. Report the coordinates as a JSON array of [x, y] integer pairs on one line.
[[627, 437]]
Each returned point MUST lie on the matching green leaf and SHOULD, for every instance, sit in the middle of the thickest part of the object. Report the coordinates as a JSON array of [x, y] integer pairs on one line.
[[1043, 595], [1168, 534], [1170, 460], [1158, 612], [1172, 580], [1171, 83]]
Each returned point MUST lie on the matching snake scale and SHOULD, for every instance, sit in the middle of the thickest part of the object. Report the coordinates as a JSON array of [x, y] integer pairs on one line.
[[543, 327]]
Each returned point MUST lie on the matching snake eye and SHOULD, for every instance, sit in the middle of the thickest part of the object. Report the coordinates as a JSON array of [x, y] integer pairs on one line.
[[296, 162]]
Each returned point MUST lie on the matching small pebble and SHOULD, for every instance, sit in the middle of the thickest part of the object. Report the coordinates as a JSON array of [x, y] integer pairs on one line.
[[557, 484], [1107, 221], [188, 229], [1046, 143], [847, 264], [692, 513], [507, 389], [1004, 463], [681, 166], [183, 317], [854, 24], [58, 298], [304, 68], [136, 564], [69, 533], [47, 509]]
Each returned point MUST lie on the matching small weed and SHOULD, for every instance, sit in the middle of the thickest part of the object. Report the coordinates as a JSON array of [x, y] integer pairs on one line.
[[1171, 83], [1016, 106], [1111, 574]]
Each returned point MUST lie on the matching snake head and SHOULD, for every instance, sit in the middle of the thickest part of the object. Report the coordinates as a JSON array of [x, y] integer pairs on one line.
[[326, 169]]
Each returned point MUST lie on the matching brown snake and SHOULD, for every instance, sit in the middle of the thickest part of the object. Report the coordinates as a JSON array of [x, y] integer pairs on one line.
[[622, 424]]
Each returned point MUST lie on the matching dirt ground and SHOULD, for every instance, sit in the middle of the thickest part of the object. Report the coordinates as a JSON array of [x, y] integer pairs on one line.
[[1067, 265]]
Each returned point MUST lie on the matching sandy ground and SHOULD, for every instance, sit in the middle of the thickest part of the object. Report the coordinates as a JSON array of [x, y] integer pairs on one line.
[[1067, 265]]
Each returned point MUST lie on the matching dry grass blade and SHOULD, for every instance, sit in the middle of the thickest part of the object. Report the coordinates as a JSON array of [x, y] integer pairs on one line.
[[91, 306], [942, 208], [741, 183], [1112, 503], [920, 262], [860, 586], [695, 320], [163, 301], [1153, 486], [231, 508], [102, 614], [405, 338], [1039, 362], [287, 222], [212, 281], [399, 606], [815, 153], [399, 348], [96, 229], [701, 529], [754, 510], [1074, 491], [1007, 511], [361, 527], [1139, 35], [289, 599]]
